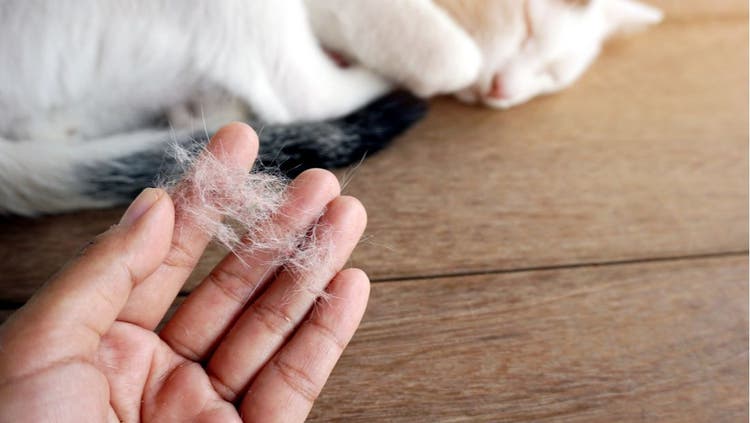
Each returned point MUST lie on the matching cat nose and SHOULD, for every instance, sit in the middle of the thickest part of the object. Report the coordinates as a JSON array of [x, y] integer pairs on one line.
[[497, 90]]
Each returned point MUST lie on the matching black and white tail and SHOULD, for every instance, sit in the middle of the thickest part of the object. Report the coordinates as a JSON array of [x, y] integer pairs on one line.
[[43, 177]]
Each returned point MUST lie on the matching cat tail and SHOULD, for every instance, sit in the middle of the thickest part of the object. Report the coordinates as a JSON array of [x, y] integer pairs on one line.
[[336, 143], [38, 177]]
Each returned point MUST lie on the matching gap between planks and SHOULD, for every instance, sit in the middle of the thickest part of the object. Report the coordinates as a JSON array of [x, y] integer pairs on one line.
[[625, 262], [8, 305]]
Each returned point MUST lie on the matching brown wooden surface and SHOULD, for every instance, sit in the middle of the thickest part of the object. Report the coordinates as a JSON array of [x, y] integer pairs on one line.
[[698, 10], [642, 342], [631, 188]]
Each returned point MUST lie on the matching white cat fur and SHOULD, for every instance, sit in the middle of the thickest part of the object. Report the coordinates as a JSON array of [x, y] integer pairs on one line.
[[500, 53], [136, 59]]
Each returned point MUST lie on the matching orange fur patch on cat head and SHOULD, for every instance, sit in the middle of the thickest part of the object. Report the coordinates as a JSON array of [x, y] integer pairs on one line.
[[533, 47]]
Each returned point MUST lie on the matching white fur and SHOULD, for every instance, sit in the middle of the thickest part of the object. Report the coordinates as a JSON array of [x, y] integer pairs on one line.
[[99, 67], [563, 41], [511, 52], [42, 176], [81, 80], [413, 42], [77, 71]]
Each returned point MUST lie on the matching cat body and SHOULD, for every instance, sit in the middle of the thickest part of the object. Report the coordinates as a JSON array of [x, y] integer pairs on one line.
[[83, 84], [93, 67]]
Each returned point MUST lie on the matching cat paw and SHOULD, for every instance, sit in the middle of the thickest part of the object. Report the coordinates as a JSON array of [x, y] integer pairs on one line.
[[448, 69]]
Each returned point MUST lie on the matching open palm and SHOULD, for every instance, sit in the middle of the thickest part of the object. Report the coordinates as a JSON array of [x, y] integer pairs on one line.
[[244, 346]]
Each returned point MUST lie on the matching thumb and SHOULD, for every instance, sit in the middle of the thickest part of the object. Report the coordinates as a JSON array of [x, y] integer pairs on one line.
[[84, 299]]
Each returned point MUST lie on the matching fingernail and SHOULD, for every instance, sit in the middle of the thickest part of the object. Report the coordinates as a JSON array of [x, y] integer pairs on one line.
[[145, 200]]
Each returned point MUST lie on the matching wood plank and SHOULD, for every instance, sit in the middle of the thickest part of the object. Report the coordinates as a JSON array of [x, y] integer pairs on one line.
[[647, 342], [645, 157], [664, 341], [678, 11]]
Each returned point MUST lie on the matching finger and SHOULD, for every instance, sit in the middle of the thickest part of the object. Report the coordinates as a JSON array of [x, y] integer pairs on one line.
[[286, 388], [72, 311], [269, 321], [210, 310], [236, 145]]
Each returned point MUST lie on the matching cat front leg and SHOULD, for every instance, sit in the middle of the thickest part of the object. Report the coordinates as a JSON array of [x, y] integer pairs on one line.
[[331, 92], [306, 94], [311, 86], [413, 42], [286, 76]]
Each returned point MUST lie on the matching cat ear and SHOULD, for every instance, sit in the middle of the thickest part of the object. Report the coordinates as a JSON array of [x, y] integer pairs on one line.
[[625, 16]]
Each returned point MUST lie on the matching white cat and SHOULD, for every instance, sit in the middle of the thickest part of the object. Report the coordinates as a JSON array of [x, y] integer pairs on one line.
[[500, 53], [84, 83]]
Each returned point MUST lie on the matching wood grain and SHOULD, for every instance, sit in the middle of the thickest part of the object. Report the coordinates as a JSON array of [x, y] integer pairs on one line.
[[681, 11], [663, 342], [654, 342]]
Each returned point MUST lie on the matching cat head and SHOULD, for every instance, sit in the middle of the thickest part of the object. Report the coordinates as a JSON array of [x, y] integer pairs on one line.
[[534, 47]]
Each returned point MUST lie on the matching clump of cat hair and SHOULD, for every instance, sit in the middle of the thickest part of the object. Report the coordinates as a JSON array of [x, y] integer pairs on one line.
[[240, 210]]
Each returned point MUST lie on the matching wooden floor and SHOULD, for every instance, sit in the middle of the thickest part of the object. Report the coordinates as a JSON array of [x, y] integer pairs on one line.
[[583, 257]]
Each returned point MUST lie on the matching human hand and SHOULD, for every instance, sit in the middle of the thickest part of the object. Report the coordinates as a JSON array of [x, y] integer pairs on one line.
[[84, 347]]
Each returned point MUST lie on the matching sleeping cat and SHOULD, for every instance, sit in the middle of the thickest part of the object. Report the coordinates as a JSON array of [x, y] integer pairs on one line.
[[499, 53], [84, 85]]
